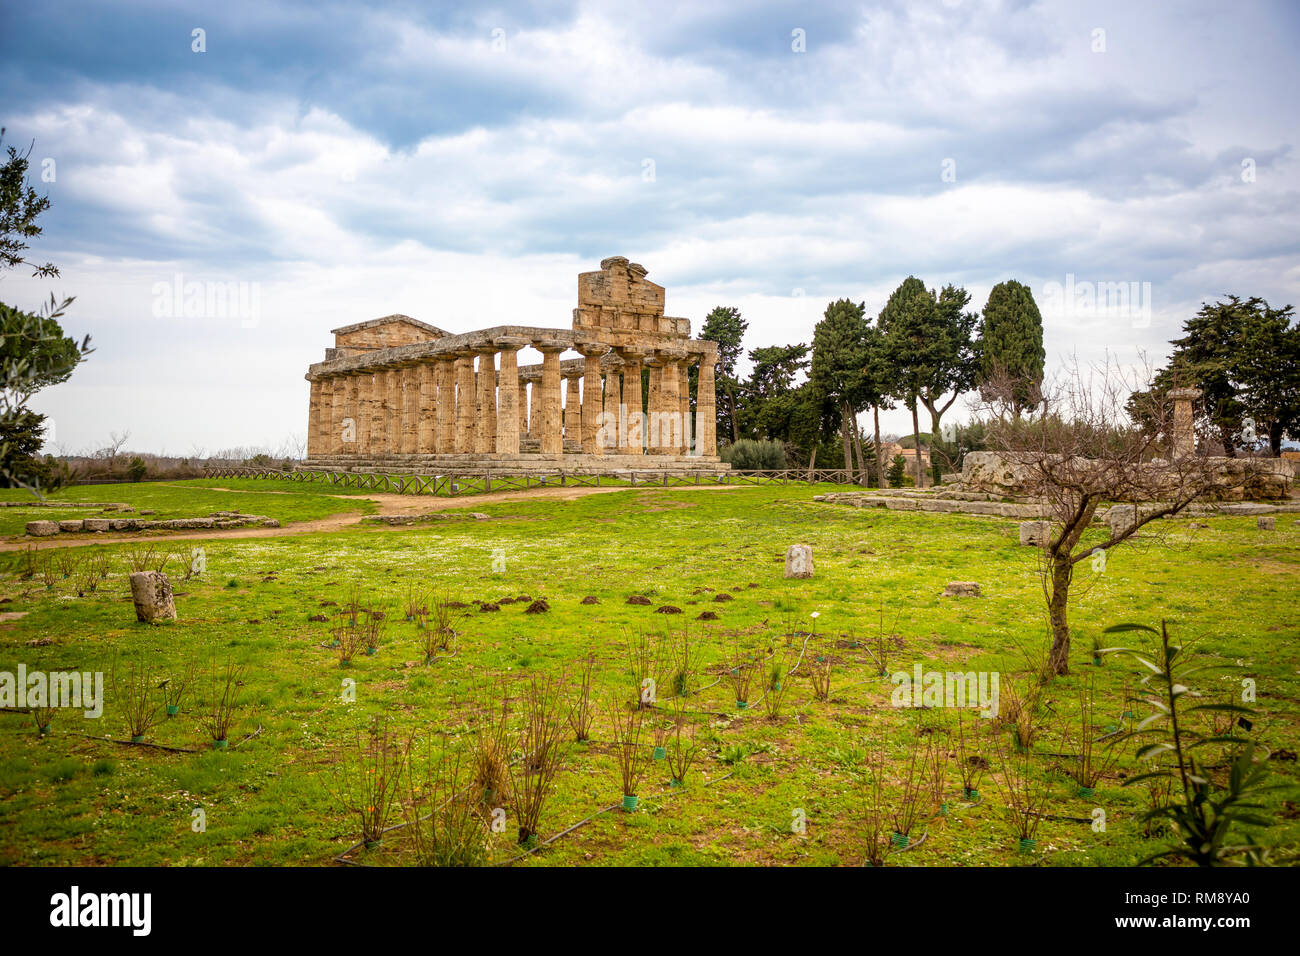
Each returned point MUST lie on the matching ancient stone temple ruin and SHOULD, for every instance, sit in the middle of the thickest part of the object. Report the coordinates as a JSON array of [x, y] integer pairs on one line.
[[399, 395]]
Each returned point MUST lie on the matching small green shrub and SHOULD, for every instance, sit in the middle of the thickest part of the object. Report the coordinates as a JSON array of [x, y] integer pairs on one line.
[[750, 455]]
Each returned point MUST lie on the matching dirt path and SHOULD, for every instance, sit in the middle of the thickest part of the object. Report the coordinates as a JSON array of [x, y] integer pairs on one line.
[[388, 505]]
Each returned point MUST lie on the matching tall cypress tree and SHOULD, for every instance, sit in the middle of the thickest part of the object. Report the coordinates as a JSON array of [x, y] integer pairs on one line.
[[725, 326], [907, 322], [1010, 347], [838, 362]]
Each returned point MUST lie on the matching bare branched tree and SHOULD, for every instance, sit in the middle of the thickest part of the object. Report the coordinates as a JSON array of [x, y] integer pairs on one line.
[[1085, 452]]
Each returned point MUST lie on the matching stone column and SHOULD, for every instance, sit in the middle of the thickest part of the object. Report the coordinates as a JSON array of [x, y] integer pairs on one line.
[[466, 404], [670, 420], [535, 409], [361, 414], [350, 434], [706, 413], [1184, 424], [654, 404], [393, 406], [338, 412], [684, 386], [634, 436], [485, 438], [572, 408], [426, 441], [591, 396], [613, 398], [523, 402], [446, 365], [328, 427], [378, 420], [313, 419], [508, 395], [552, 439], [408, 378]]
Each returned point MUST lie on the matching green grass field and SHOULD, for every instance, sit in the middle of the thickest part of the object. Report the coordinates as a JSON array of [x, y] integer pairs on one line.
[[69, 799]]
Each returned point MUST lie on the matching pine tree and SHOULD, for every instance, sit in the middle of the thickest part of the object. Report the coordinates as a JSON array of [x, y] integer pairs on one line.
[[725, 326], [838, 362], [907, 322], [1010, 348]]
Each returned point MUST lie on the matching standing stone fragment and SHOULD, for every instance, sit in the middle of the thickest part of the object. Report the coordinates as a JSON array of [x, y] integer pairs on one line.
[[1035, 533], [799, 561], [1265, 523], [1121, 518], [152, 594]]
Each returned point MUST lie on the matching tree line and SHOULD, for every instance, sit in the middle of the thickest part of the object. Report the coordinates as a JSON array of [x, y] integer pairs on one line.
[[924, 349]]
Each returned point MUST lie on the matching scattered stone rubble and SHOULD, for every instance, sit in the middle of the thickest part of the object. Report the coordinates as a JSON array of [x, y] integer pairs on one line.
[[218, 520], [402, 520]]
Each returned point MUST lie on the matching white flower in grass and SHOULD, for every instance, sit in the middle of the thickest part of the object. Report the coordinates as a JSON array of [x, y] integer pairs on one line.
[[816, 614]]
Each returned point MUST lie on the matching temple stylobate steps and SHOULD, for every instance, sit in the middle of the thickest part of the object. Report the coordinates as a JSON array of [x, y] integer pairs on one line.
[[518, 464]]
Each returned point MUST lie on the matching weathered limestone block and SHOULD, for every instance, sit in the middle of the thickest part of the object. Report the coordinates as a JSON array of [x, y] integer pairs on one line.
[[960, 589], [1121, 518], [1035, 533], [70, 524], [42, 529], [152, 594], [1265, 523], [191, 523], [799, 561], [991, 472], [100, 524]]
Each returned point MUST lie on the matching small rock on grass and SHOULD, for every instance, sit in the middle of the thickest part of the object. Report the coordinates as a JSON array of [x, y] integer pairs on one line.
[[962, 589]]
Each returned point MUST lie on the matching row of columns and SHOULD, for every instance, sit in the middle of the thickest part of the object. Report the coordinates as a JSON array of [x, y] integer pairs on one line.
[[461, 403]]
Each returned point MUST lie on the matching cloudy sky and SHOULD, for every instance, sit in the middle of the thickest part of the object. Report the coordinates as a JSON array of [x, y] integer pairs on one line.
[[462, 165]]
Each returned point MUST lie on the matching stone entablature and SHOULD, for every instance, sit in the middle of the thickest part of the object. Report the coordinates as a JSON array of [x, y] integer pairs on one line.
[[396, 391]]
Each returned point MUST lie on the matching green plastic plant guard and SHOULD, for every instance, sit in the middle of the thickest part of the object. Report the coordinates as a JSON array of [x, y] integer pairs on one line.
[[899, 840], [138, 739], [173, 710], [674, 782], [371, 651], [661, 753], [943, 809], [1027, 844], [1127, 715], [43, 731], [1085, 792], [742, 704], [630, 801], [345, 663], [972, 794], [220, 744]]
